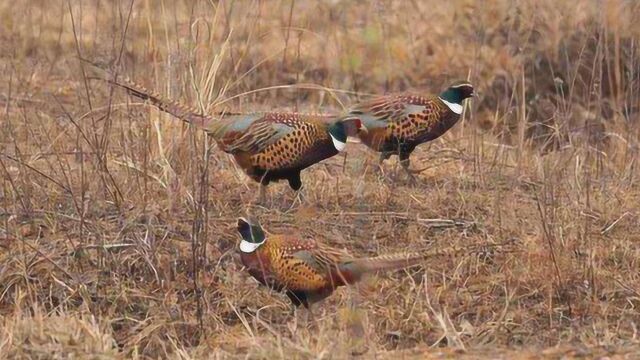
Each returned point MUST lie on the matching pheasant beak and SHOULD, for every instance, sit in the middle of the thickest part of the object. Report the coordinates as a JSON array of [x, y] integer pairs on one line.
[[363, 128]]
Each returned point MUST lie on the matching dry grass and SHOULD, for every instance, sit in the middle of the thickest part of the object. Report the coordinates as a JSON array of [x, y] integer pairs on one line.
[[117, 222]]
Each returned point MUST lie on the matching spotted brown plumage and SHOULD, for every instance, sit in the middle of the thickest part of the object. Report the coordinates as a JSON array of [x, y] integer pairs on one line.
[[397, 123], [268, 146], [308, 271]]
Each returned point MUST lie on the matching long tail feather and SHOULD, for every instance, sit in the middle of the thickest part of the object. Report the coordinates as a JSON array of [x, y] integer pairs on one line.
[[404, 260], [181, 111]]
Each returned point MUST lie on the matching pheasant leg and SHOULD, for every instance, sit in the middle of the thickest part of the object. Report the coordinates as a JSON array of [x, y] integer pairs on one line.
[[380, 169], [405, 162]]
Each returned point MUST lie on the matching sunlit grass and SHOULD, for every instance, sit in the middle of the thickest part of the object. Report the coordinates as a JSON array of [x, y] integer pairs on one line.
[[117, 222]]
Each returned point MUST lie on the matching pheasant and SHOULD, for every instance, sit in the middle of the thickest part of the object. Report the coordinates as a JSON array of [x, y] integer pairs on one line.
[[268, 146], [308, 271], [397, 123]]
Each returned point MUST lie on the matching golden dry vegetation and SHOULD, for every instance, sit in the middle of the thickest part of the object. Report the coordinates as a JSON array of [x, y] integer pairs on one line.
[[117, 234]]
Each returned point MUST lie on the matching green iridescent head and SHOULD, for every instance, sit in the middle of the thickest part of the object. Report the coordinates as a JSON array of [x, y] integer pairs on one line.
[[457, 92], [343, 128]]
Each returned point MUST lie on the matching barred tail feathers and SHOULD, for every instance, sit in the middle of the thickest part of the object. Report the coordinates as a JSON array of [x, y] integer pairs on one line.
[[181, 111], [390, 262]]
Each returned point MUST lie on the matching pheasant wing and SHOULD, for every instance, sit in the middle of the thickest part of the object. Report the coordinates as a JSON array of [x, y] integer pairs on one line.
[[393, 108], [325, 262], [305, 265], [382, 109], [259, 135]]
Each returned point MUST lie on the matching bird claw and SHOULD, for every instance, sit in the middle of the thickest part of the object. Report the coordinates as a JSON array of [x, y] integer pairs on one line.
[[410, 173]]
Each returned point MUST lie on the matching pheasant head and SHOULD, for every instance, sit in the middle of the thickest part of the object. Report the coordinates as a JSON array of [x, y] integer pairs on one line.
[[343, 128], [455, 94]]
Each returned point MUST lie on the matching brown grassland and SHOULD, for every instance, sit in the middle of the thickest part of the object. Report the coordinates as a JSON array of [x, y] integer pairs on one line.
[[117, 222]]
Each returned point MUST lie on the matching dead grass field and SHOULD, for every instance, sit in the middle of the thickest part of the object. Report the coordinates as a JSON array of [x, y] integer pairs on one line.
[[117, 222]]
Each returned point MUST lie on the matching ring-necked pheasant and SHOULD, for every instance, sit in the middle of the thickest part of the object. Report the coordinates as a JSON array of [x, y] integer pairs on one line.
[[268, 146], [397, 123], [308, 271]]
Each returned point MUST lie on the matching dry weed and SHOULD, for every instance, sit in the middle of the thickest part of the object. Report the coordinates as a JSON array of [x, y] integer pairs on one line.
[[117, 236]]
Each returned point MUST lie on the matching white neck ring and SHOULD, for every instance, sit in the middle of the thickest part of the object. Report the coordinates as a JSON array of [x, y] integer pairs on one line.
[[339, 145], [456, 108], [249, 247]]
